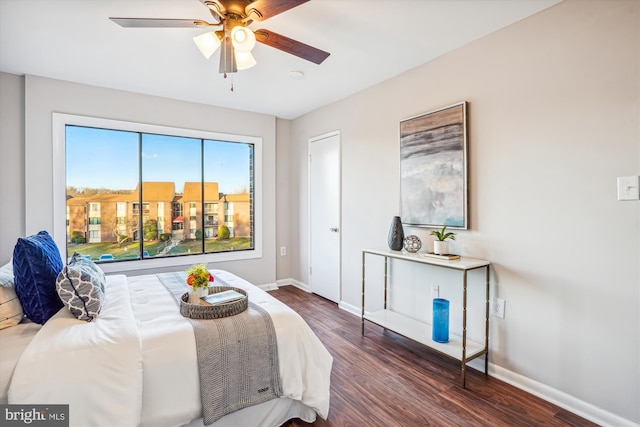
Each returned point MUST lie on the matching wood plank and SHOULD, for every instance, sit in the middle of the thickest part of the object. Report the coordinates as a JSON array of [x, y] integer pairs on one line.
[[383, 379]]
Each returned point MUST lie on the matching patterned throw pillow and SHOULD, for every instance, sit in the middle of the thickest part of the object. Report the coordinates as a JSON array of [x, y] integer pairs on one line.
[[10, 308], [80, 260], [80, 286], [36, 264]]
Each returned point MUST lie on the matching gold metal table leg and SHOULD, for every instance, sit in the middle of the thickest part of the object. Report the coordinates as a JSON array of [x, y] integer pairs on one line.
[[363, 257], [486, 327], [464, 328]]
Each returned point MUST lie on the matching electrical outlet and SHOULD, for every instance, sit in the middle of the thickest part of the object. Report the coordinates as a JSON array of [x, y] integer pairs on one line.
[[497, 307], [283, 251], [435, 291]]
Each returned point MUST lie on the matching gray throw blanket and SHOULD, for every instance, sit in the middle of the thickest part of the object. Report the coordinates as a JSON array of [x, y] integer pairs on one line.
[[237, 356]]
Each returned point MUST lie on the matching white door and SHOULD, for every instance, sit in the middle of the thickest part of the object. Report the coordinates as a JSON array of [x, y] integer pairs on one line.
[[324, 215]]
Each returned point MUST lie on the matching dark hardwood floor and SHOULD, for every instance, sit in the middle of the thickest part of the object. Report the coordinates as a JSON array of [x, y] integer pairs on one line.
[[385, 380]]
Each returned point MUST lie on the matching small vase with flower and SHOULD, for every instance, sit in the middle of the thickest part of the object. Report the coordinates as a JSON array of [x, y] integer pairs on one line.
[[198, 277]]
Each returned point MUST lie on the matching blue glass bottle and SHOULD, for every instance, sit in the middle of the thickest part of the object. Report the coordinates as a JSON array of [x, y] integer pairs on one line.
[[440, 331]]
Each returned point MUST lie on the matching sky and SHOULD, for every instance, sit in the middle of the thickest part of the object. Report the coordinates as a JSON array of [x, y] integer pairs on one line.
[[103, 158]]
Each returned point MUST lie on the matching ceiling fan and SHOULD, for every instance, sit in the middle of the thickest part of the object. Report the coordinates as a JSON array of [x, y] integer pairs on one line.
[[233, 37]]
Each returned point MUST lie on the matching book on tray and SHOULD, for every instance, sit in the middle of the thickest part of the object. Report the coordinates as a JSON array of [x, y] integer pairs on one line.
[[222, 297]]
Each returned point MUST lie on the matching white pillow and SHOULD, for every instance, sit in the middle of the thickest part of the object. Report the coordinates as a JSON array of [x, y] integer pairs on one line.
[[10, 308]]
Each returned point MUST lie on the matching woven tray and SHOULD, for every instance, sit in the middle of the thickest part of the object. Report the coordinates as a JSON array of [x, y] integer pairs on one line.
[[214, 311]]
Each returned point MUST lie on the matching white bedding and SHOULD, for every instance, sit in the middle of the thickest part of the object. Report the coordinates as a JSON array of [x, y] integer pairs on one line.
[[13, 341], [136, 364]]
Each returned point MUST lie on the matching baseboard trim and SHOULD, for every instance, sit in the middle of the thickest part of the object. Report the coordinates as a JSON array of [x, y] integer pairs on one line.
[[570, 403], [356, 311], [268, 286], [293, 282], [342, 305]]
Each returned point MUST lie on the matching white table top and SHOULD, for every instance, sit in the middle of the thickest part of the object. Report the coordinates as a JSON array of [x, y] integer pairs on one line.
[[463, 263]]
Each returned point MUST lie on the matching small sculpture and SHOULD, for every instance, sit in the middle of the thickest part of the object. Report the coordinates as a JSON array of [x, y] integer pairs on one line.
[[412, 244]]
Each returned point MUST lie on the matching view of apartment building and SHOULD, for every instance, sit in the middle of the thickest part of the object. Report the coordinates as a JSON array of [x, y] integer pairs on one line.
[[106, 217]]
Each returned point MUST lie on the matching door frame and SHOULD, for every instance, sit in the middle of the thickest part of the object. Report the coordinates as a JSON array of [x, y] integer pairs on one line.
[[312, 140]]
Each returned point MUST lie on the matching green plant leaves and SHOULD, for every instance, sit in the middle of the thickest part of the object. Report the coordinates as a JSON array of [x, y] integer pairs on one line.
[[443, 235]]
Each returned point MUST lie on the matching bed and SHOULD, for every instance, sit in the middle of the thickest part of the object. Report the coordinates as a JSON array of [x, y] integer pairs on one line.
[[135, 365]]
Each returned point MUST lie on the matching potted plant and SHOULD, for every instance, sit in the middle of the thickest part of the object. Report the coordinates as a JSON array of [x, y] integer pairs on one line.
[[440, 245]]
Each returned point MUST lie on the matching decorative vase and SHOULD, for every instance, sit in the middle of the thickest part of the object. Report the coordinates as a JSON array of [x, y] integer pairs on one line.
[[412, 244], [440, 247], [196, 294], [440, 330], [396, 234]]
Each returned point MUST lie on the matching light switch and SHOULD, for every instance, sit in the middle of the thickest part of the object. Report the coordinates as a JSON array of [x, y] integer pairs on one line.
[[628, 188]]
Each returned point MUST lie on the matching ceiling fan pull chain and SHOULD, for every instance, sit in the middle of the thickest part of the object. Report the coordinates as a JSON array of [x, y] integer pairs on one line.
[[231, 83]]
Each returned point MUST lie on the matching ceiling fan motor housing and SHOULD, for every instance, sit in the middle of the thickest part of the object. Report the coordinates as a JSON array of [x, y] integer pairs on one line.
[[238, 8]]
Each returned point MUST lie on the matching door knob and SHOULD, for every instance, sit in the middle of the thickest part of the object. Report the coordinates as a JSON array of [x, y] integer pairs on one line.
[[333, 229]]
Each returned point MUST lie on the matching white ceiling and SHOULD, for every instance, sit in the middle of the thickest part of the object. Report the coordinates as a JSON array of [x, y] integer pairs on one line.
[[369, 41]]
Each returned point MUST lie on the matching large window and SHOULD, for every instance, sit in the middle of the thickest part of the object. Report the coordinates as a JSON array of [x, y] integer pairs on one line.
[[141, 194]]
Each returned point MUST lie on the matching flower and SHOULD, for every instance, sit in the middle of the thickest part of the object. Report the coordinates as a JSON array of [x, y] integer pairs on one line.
[[198, 276]]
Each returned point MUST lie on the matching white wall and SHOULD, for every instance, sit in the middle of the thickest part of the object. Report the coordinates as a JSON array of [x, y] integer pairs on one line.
[[11, 163], [283, 201], [30, 210], [554, 119]]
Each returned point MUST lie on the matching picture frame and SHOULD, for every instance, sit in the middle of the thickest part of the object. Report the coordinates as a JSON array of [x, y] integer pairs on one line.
[[433, 168]]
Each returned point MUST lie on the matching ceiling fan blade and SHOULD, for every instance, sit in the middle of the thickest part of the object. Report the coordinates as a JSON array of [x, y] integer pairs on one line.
[[291, 46], [160, 23], [265, 9]]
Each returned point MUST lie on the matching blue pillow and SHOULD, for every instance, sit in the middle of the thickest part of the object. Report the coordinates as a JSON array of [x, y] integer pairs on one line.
[[36, 264]]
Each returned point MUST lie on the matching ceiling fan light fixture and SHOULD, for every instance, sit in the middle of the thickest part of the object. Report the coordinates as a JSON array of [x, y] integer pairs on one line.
[[207, 43], [244, 60], [243, 39]]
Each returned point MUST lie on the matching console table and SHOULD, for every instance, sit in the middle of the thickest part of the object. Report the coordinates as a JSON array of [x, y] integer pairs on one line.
[[458, 347]]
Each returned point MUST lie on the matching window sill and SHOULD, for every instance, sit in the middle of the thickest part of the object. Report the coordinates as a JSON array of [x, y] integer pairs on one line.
[[178, 261]]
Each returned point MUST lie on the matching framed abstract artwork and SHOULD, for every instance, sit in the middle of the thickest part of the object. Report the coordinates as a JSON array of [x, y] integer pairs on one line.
[[433, 168]]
